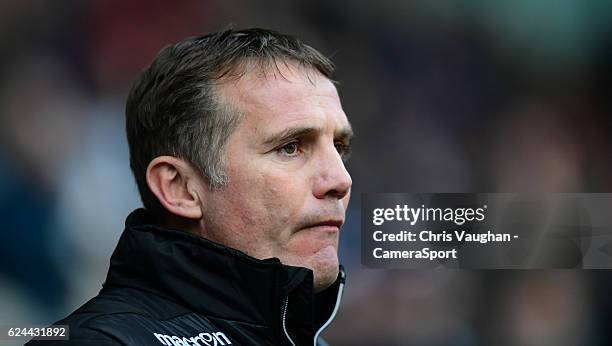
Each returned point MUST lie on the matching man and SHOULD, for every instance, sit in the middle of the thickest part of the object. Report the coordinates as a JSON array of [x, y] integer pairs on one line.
[[237, 143]]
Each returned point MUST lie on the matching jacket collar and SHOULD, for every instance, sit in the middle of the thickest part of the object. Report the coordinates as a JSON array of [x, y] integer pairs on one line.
[[217, 280]]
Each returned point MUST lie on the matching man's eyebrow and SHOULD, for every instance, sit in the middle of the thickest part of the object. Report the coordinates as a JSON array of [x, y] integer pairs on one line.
[[291, 133], [346, 134]]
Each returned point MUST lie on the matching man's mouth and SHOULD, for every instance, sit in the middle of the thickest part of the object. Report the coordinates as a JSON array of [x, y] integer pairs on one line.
[[326, 226]]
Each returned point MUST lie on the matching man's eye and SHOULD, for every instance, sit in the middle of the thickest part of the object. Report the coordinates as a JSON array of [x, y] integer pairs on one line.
[[289, 149], [343, 149]]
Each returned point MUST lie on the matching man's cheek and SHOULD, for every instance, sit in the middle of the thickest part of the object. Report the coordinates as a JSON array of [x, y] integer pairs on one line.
[[281, 195]]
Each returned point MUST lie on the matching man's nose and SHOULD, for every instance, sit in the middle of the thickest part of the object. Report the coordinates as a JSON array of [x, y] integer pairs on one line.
[[332, 178]]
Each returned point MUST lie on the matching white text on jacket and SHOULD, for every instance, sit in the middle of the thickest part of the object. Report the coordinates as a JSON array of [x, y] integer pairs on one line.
[[202, 339]]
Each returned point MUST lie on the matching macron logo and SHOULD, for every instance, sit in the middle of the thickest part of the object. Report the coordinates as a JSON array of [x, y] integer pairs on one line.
[[202, 339]]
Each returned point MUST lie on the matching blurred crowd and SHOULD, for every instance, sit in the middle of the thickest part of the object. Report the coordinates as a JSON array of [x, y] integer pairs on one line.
[[444, 96]]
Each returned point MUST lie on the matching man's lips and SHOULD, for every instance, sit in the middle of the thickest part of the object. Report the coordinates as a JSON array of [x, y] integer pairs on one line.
[[328, 225]]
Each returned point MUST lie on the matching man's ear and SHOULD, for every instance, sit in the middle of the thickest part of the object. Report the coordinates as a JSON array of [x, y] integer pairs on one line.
[[174, 182]]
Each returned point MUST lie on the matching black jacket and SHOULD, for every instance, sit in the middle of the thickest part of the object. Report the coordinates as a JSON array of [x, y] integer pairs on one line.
[[167, 287]]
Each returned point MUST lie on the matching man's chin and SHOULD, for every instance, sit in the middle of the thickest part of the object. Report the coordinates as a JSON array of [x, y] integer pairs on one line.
[[324, 280], [325, 268]]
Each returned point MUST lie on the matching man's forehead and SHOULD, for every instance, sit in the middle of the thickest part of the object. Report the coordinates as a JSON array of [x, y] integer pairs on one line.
[[290, 98], [280, 83]]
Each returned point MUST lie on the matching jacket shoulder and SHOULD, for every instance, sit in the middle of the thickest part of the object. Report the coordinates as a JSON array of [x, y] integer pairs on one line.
[[79, 333], [88, 324]]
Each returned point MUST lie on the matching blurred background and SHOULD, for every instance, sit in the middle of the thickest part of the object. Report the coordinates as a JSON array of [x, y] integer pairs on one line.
[[444, 96]]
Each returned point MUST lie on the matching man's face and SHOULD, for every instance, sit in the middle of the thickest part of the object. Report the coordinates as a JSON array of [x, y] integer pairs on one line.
[[288, 188]]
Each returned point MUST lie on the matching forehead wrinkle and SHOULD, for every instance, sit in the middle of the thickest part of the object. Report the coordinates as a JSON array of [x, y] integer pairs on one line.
[[255, 104]]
